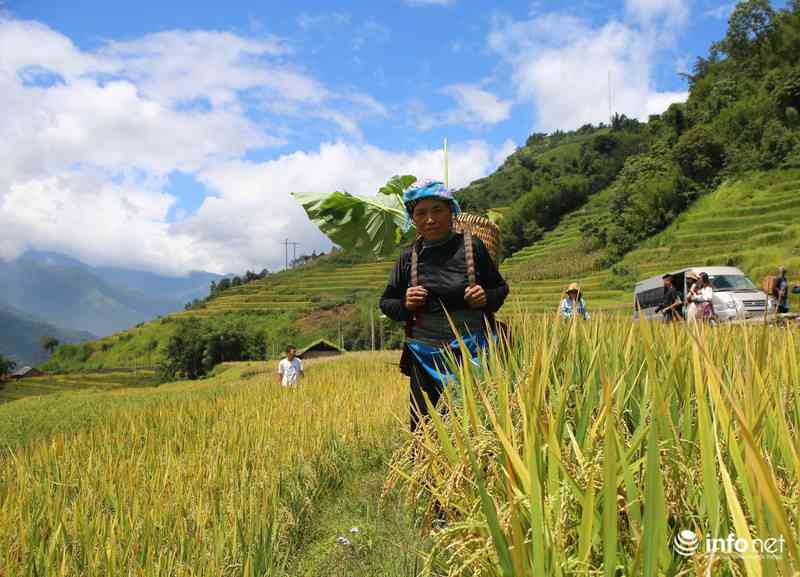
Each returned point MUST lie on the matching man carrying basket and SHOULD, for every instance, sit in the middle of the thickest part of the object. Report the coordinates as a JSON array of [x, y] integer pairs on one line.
[[447, 268]]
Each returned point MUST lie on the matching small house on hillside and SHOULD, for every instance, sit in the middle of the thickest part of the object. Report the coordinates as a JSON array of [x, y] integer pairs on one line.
[[320, 348], [25, 372]]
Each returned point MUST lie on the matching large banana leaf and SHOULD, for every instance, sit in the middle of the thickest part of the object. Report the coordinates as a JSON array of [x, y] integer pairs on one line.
[[397, 184], [360, 225]]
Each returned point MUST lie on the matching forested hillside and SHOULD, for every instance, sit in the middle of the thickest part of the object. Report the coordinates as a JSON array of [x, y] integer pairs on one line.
[[741, 115]]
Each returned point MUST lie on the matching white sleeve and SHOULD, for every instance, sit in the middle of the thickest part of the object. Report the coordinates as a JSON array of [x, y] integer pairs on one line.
[[280, 367]]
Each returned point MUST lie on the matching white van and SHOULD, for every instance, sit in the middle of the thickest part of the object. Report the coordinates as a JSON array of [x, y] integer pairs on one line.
[[735, 295]]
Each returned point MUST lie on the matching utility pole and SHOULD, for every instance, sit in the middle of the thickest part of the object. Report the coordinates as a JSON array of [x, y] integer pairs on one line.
[[446, 175], [286, 244], [341, 340]]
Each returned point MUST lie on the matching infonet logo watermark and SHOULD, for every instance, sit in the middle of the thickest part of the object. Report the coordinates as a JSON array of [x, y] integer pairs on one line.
[[687, 544]]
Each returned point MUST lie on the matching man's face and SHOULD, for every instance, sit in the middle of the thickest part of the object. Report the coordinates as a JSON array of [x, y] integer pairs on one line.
[[431, 216], [667, 282], [290, 354]]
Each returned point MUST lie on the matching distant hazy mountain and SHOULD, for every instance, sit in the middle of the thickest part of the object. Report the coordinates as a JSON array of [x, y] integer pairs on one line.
[[102, 300], [181, 289], [20, 336]]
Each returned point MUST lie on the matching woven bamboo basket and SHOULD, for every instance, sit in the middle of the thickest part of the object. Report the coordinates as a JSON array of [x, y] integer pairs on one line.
[[483, 228]]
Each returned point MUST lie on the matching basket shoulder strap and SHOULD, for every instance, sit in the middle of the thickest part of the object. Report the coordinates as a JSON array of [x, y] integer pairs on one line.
[[414, 265], [414, 282], [470, 256]]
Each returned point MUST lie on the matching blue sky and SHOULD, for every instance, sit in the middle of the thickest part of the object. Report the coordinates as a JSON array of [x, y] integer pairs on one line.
[[168, 135]]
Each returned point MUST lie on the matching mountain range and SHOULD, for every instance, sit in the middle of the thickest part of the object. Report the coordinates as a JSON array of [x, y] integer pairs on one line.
[[54, 294], [21, 334]]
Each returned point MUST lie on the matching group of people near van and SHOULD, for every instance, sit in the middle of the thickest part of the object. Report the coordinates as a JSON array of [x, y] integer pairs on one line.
[[698, 303]]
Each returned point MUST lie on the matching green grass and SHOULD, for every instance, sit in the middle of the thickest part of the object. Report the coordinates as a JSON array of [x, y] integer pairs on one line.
[[387, 539]]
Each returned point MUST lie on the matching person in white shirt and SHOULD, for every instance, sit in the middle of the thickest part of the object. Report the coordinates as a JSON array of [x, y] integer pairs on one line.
[[290, 368]]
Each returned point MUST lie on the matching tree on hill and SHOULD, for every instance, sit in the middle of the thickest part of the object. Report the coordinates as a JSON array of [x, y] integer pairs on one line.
[[196, 347], [749, 27], [6, 366], [49, 343]]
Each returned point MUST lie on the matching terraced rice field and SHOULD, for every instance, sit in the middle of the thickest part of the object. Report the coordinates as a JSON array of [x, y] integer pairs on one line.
[[47, 384], [301, 289], [539, 273], [750, 224]]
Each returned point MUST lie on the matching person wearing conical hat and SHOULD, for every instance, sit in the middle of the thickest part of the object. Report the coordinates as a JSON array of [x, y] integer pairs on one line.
[[573, 304], [433, 279]]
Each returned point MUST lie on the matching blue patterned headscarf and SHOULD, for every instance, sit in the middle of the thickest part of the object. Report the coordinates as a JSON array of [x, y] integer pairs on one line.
[[428, 189]]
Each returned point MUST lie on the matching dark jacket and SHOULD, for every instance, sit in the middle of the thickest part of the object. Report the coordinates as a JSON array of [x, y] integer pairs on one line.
[[442, 271]]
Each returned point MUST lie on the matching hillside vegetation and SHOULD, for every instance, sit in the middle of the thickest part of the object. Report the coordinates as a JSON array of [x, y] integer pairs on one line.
[[747, 222]]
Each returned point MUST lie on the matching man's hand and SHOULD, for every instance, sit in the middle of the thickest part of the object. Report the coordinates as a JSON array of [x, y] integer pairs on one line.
[[415, 298], [475, 296]]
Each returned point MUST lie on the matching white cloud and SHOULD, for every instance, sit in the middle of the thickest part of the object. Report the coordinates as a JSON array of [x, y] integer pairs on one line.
[[254, 211], [90, 138], [308, 21], [476, 106], [673, 12], [561, 64], [88, 216], [239, 227], [166, 101], [505, 150]]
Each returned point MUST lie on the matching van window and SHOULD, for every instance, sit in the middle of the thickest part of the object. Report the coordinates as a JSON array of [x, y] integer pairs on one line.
[[726, 282], [650, 298]]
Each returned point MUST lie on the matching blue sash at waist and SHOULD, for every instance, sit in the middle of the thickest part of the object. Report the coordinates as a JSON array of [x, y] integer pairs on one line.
[[433, 358]]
